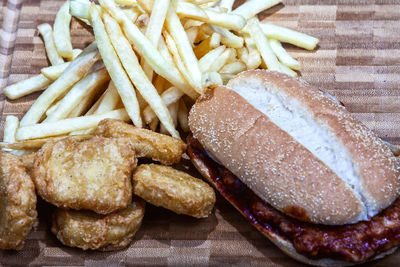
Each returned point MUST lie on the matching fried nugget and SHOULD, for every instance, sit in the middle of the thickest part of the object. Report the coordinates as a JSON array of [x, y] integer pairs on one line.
[[89, 230], [17, 202], [159, 147], [93, 174], [174, 190]]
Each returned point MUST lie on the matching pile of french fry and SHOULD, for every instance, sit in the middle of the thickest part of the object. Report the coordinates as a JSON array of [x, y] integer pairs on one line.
[[149, 62]]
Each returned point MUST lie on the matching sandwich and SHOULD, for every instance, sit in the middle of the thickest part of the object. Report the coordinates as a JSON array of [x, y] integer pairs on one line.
[[299, 167]]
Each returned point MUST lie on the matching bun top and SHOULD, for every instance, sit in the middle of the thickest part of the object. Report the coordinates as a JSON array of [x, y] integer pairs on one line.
[[296, 148]]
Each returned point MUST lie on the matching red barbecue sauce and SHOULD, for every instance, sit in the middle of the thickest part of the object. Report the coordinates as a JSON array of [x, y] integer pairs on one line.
[[355, 242]]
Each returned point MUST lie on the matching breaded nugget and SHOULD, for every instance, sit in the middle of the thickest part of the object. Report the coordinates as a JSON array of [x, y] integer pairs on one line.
[[17, 202], [89, 230], [27, 161], [174, 190], [159, 147], [93, 174]]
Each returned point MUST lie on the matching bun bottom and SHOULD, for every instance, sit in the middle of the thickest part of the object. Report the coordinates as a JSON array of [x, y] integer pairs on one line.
[[280, 241]]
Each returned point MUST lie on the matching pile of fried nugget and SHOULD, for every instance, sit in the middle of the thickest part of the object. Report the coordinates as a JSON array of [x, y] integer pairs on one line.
[[98, 187]]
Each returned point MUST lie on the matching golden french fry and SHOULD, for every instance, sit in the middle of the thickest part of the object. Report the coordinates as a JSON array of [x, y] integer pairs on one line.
[[183, 115], [261, 41], [51, 50], [136, 74], [114, 67], [212, 79], [189, 10], [85, 104], [208, 44], [283, 56], [252, 7], [233, 68], [148, 50], [226, 5], [74, 72], [182, 42], [178, 61], [154, 28], [92, 82], [226, 77], [288, 71], [53, 72], [67, 125], [132, 13], [27, 86], [62, 37], [169, 96], [208, 59], [173, 110], [192, 23], [226, 20], [289, 36]]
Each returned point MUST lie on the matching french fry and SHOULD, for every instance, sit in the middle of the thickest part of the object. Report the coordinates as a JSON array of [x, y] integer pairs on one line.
[[51, 50], [74, 72], [84, 87], [192, 23], [148, 50], [173, 110], [169, 96], [154, 124], [283, 56], [183, 115], [61, 34], [142, 21], [233, 68], [177, 59], [132, 13], [208, 59], [136, 74], [226, 77], [189, 10], [83, 105], [153, 31], [225, 20], [52, 108], [80, 9], [114, 67], [10, 127], [252, 7], [107, 102], [76, 52], [38, 143], [289, 36], [67, 125], [288, 71], [228, 38], [211, 79], [226, 5], [192, 34], [53, 72], [261, 41], [182, 42], [220, 61], [126, 2], [253, 59], [208, 44], [27, 86], [159, 84]]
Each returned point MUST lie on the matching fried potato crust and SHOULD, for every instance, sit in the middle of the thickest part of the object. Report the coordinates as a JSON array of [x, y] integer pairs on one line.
[[159, 147], [174, 190], [93, 174], [89, 230], [17, 202]]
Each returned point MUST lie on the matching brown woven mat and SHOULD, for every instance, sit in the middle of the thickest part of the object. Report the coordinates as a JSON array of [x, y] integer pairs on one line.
[[358, 61]]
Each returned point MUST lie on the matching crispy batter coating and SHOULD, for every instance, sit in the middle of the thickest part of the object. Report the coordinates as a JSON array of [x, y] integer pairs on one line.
[[27, 161], [174, 190], [93, 174], [17, 202], [89, 230], [159, 147]]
